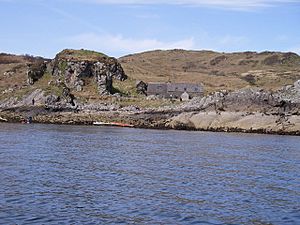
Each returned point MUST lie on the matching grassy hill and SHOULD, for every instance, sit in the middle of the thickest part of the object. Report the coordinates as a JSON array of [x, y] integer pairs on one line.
[[13, 80], [269, 70], [13, 70], [80, 55], [231, 71]]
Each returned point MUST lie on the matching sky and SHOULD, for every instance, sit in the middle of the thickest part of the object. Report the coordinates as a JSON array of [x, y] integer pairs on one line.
[[121, 27]]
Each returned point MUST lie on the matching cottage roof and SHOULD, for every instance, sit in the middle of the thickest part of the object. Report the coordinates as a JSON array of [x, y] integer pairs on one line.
[[157, 87], [174, 88], [184, 87]]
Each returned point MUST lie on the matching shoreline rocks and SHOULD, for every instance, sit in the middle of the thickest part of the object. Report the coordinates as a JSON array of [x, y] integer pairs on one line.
[[247, 110], [237, 121], [224, 122]]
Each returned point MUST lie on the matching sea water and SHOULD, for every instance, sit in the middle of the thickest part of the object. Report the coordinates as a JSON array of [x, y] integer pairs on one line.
[[53, 174]]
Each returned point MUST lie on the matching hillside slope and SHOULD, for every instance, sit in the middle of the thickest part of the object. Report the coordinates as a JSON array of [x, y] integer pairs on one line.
[[13, 70], [68, 90], [231, 71]]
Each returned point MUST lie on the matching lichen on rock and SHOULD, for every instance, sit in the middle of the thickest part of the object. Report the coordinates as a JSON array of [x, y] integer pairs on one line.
[[76, 66]]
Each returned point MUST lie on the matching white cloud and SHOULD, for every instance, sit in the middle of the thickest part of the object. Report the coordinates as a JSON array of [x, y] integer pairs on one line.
[[117, 44], [231, 4]]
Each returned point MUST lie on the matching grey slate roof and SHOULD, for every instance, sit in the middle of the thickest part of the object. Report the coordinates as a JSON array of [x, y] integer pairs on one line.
[[184, 87], [174, 89]]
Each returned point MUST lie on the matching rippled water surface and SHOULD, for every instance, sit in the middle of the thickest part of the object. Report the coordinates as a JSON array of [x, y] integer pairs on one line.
[[53, 174]]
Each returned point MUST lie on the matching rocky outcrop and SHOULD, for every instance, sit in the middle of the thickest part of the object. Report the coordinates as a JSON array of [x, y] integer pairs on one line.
[[285, 58], [35, 71], [247, 110], [39, 98], [75, 70], [54, 99], [285, 100], [237, 122]]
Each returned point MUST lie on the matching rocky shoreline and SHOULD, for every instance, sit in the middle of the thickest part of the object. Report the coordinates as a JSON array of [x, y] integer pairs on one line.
[[77, 88], [205, 121], [249, 110]]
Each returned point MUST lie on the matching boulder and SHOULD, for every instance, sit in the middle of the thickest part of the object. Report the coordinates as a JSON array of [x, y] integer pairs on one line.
[[297, 85], [51, 99]]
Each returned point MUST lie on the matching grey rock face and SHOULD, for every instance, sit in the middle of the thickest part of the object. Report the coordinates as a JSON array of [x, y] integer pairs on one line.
[[38, 95], [51, 99], [290, 93], [8, 103], [103, 76], [68, 98], [246, 110], [38, 98], [297, 85], [284, 101], [74, 72], [35, 71]]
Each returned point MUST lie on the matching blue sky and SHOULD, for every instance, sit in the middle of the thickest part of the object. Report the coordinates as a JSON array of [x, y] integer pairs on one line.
[[120, 27]]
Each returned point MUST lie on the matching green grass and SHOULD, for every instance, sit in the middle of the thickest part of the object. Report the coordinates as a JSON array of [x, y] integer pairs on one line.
[[84, 52], [62, 66], [81, 54], [126, 88], [49, 89]]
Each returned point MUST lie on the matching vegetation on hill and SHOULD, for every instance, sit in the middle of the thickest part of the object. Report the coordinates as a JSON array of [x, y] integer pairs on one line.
[[217, 71], [13, 73], [80, 55]]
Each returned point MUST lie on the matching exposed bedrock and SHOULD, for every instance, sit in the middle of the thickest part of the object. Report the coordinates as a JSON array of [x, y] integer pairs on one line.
[[249, 110], [75, 71]]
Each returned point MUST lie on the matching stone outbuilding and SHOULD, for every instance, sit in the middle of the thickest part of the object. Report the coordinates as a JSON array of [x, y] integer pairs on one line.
[[141, 87]]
